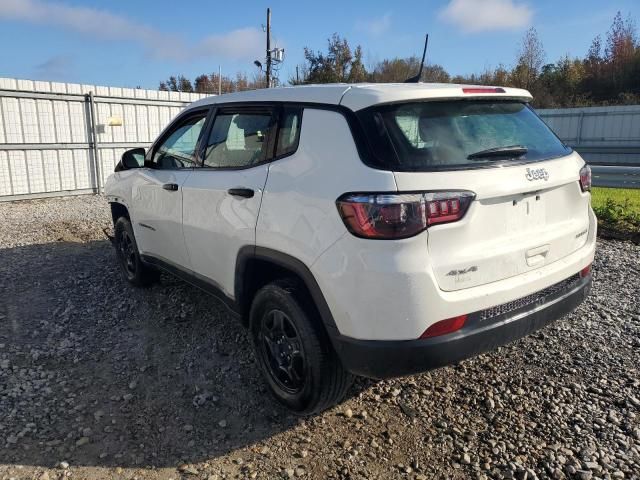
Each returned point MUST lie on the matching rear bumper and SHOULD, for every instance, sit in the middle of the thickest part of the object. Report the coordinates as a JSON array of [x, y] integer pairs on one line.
[[388, 291], [384, 359]]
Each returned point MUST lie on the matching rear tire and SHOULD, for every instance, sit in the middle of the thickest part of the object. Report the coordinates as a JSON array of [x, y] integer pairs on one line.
[[293, 350], [134, 270]]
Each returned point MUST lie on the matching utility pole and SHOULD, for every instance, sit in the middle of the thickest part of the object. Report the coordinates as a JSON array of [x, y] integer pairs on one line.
[[219, 80], [268, 74]]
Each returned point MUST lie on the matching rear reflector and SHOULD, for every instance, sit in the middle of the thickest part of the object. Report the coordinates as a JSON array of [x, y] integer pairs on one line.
[[585, 271], [400, 215], [483, 90], [443, 327]]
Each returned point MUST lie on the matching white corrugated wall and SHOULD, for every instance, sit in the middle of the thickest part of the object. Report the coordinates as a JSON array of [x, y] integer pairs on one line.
[[45, 133]]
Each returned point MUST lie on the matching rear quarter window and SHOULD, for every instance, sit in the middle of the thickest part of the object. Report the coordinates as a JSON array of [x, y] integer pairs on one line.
[[289, 131]]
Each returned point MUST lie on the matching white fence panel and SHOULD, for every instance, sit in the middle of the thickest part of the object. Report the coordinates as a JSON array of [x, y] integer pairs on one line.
[[18, 172], [12, 120], [67, 170], [47, 133], [5, 175]]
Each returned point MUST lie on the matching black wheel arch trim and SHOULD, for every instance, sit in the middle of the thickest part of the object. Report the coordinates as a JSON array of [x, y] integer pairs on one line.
[[118, 207], [111, 199], [287, 262]]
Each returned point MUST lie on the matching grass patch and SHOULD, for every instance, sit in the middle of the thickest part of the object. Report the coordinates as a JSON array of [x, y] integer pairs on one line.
[[617, 209]]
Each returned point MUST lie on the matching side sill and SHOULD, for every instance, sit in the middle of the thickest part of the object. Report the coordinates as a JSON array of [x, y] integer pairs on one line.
[[203, 283]]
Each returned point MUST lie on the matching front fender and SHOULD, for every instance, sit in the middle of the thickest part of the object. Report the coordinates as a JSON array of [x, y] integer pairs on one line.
[[118, 188]]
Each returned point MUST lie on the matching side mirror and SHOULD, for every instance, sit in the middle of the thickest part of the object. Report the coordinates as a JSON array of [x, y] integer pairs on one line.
[[133, 158]]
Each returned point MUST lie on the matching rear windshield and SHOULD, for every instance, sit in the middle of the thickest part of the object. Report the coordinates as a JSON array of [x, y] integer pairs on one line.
[[457, 135]]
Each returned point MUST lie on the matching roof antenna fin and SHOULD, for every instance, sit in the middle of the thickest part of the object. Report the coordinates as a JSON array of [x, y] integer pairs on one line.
[[416, 79]]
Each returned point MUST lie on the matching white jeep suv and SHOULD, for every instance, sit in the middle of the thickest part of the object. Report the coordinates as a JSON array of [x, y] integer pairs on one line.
[[376, 230]]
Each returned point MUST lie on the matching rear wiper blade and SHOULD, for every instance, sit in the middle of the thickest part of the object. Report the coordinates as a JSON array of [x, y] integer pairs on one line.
[[508, 151]]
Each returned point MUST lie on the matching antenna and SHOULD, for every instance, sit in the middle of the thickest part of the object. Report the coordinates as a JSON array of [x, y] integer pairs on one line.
[[416, 78], [268, 72]]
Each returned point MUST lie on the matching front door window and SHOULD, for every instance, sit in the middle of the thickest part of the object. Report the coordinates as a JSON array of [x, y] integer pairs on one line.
[[178, 149]]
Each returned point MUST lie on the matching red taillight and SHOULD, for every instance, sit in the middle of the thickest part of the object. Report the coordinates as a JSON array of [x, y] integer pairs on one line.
[[400, 215], [585, 271], [443, 327], [483, 90], [585, 178]]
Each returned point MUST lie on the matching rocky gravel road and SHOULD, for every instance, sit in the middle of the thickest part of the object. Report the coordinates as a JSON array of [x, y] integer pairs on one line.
[[101, 380]]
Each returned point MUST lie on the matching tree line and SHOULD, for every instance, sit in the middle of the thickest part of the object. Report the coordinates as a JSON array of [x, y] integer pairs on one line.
[[210, 83], [609, 73]]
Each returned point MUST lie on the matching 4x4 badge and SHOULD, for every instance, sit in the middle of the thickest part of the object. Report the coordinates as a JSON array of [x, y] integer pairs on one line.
[[537, 174], [455, 273]]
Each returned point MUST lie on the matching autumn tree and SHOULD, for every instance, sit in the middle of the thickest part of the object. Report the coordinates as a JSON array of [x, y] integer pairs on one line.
[[338, 64], [395, 69], [357, 72], [177, 84], [621, 39], [530, 60], [490, 76], [559, 83], [621, 55], [435, 73], [208, 83]]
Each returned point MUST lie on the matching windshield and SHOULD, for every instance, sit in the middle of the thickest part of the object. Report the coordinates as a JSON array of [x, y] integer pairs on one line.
[[458, 134]]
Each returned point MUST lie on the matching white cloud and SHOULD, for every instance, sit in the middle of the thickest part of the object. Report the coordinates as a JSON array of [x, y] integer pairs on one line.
[[375, 26], [244, 43], [241, 43], [55, 68], [487, 15]]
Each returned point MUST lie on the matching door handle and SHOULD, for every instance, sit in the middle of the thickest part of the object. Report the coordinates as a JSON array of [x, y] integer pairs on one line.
[[172, 187], [241, 192]]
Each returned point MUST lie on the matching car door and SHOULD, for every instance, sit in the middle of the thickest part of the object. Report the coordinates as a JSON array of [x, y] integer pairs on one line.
[[157, 193], [222, 198]]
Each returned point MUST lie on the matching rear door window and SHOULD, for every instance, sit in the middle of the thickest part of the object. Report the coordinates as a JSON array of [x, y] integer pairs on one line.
[[424, 136], [239, 139]]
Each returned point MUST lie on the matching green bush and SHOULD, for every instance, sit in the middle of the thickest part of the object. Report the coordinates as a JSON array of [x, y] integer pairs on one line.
[[618, 215]]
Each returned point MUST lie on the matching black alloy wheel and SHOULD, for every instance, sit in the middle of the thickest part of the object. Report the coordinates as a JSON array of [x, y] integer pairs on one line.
[[135, 270], [282, 351], [293, 350], [127, 253]]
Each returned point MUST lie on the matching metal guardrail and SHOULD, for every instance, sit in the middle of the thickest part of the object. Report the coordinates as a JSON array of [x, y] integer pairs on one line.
[[614, 176], [607, 139]]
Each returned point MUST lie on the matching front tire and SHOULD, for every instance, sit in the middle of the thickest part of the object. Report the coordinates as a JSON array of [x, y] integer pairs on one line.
[[293, 351], [134, 270]]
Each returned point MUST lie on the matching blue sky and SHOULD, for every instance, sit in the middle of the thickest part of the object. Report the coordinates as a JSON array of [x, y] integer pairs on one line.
[[139, 42]]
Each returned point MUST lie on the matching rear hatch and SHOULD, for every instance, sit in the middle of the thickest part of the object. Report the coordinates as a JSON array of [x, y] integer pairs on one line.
[[529, 209]]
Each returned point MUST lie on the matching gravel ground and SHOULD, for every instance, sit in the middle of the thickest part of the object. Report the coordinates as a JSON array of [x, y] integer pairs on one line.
[[101, 380]]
